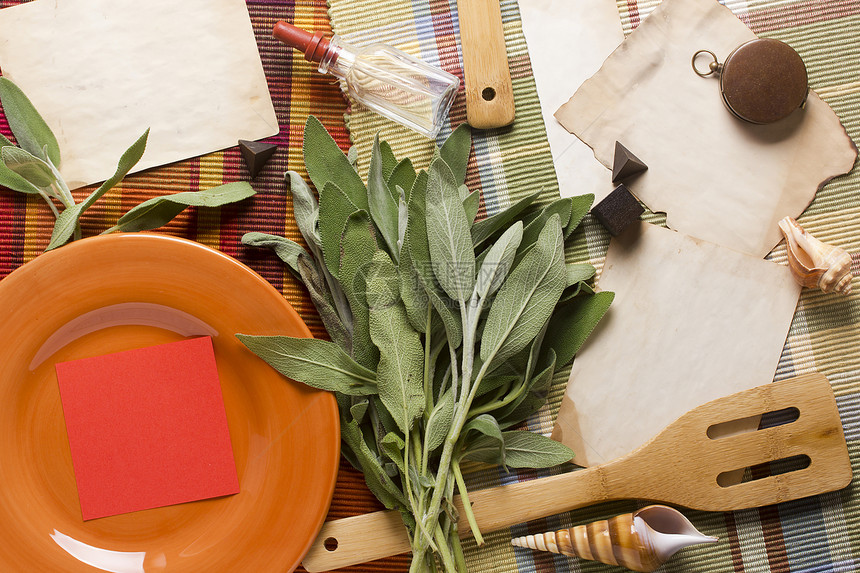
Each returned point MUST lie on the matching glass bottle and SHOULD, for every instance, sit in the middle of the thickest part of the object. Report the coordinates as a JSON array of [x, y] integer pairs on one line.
[[384, 79]]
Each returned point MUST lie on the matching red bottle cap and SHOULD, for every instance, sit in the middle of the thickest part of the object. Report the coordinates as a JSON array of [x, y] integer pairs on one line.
[[313, 45]]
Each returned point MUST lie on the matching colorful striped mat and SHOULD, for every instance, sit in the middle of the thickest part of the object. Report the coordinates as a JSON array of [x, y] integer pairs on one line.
[[819, 534]]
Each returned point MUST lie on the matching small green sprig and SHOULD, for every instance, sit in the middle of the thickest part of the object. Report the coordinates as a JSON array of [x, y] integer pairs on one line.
[[446, 331], [32, 167]]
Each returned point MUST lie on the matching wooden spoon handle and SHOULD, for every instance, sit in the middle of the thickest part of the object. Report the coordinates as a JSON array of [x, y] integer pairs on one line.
[[376, 535], [489, 92]]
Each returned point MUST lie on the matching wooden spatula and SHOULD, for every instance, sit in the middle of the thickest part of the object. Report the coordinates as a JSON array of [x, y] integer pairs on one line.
[[489, 91], [681, 466]]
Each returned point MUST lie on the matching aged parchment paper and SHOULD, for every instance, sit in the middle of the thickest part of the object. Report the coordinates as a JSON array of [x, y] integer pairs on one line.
[[718, 178], [102, 71], [568, 40], [691, 322]]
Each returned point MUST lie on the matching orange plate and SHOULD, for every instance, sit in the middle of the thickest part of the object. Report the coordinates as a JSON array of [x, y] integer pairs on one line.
[[118, 292]]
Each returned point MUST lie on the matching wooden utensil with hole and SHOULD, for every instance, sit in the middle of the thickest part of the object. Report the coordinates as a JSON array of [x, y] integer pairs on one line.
[[489, 91], [681, 466]]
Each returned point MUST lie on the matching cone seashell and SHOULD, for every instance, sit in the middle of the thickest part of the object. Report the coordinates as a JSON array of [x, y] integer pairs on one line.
[[641, 541], [815, 264]]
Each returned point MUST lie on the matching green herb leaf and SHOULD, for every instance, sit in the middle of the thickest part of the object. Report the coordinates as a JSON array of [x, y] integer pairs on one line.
[[12, 180], [560, 207], [128, 160], [416, 242], [403, 176], [375, 476], [159, 211], [335, 209], [288, 251], [315, 282], [317, 363], [326, 163], [455, 152], [306, 210], [28, 166], [389, 161], [525, 449], [392, 445], [383, 205], [359, 247], [483, 230], [580, 206], [578, 272], [30, 129], [471, 204], [526, 299], [439, 422], [448, 237], [572, 322], [498, 261], [401, 355]]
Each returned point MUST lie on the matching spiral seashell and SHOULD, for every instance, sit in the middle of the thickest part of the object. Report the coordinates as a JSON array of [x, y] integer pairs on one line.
[[815, 264], [640, 541]]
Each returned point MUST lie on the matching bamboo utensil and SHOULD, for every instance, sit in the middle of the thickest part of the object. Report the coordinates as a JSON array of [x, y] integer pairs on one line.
[[489, 92], [681, 466]]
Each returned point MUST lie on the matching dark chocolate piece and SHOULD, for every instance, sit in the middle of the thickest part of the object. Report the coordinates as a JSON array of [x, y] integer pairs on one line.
[[256, 154], [625, 163], [618, 210]]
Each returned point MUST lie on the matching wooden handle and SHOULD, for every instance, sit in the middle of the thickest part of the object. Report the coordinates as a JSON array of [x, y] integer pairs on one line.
[[489, 92], [376, 535]]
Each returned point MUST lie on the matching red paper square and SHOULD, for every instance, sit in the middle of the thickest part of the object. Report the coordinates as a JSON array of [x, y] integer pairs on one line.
[[147, 428]]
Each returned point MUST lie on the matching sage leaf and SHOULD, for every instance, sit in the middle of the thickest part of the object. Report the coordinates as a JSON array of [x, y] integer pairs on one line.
[[448, 237], [314, 280], [419, 187], [560, 207], [383, 205], [471, 204], [286, 250], [573, 321], [524, 449], [485, 425], [412, 292], [335, 209], [306, 210], [12, 180], [392, 445], [526, 299], [416, 242], [400, 373], [578, 272], [326, 163], [402, 219], [28, 166], [498, 261], [126, 162], [158, 211], [317, 363], [389, 161], [580, 206], [440, 421], [483, 230], [490, 383], [455, 152], [29, 128], [403, 176], [359, 246], [377, 479]]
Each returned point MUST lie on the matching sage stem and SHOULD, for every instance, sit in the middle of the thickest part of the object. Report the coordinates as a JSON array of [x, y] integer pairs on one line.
[[467, 506]]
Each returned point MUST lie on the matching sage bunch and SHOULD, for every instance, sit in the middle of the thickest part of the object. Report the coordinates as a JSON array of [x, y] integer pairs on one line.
[[445, 330], [32, 167]]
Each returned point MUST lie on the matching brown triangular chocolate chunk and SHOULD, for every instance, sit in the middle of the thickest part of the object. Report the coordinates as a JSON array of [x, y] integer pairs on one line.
[[625, 163], [256, 154]]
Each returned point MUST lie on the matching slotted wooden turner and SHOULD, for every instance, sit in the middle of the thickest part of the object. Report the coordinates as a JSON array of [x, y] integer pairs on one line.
[[680, 466]]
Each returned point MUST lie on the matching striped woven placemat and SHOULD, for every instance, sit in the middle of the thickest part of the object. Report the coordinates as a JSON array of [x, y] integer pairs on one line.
[[816, 534]]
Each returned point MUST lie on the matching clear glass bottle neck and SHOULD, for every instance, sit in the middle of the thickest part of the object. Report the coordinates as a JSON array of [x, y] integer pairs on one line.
[[338, 59]]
